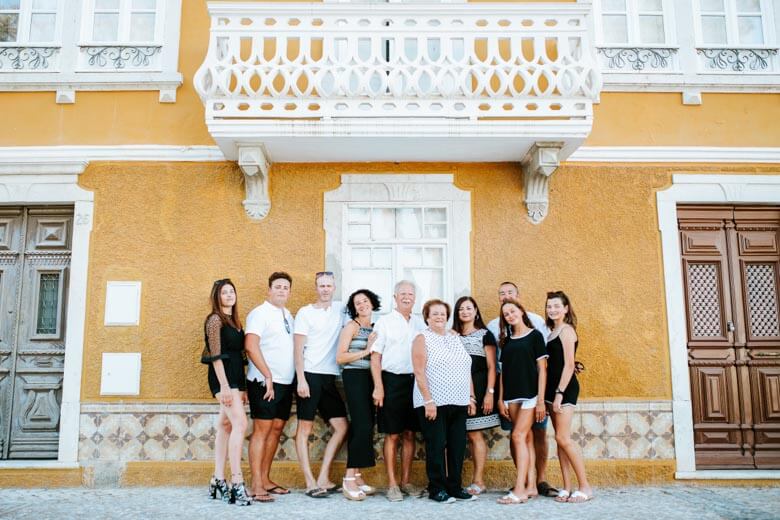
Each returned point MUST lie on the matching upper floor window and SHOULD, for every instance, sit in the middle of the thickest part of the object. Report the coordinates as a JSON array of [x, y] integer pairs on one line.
[[634, 22], [733, 22], [28, 21], [125, 21]]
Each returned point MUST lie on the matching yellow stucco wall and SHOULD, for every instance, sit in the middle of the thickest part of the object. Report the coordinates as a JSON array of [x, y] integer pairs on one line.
[[104, 118], [178, 227]]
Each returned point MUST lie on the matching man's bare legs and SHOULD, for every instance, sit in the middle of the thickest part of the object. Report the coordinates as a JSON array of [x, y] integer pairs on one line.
[[261, 430], [390, 452], [407, 455], [540, 448], [340, 426]]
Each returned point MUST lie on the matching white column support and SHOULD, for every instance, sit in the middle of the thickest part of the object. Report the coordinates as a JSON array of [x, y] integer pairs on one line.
[[27, 182], [255, 166], [538, 165]]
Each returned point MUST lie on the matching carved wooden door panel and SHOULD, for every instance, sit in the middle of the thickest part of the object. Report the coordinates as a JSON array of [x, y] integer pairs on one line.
[[38, 353], [757, 270], [730, 268]]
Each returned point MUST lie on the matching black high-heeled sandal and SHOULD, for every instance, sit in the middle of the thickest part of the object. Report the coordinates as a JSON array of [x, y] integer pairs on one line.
[[218, 486]]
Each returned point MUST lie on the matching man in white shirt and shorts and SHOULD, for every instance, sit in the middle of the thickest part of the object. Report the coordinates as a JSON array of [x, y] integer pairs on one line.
[[269, 347], [509, 291], [317, 329], [393, 374]]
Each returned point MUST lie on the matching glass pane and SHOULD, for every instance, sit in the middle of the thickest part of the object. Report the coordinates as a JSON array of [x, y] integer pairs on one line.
[[48, 296], [382, 223], [8, 27], [142, 27], [378, 280], [359, 215], [651, 29], [144, 4], [614, 5], [429, 285], [409, 222], [42, 27], [411, 257], [435, 215], [750, 30], [713, 29], [615, 29], [436, 231], [45, 5], [433, 257], [359, 232], [361, 257], [410, 48], [749, 6], [712, 5], [106, 4], [106, 27], [9, 4], [382, 257], [651, 5]]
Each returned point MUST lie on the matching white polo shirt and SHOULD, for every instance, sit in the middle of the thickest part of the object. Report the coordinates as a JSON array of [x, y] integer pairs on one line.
[[536, 320], [394, 341], [276, 344], [321, 327]]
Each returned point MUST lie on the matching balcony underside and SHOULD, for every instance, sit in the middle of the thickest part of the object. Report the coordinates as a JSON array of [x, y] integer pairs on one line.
[[397, 140]]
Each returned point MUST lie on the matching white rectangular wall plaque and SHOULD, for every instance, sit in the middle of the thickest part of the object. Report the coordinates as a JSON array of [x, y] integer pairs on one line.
[[123, 304], [121, 373]]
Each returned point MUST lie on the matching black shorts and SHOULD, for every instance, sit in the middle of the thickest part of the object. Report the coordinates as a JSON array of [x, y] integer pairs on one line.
[[277, 408], [397, 413], [323, 397]]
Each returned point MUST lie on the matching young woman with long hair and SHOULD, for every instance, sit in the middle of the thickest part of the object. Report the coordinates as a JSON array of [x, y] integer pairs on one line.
[[521, 390], [480, 344], [224, 354], [562, 392], [354, 353]]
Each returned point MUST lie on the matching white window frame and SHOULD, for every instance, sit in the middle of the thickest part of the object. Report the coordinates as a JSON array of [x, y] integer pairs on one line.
[[632, 30], [25, 24], [732, 27], [397, 244], [393, 190], [66, 71], [34, 334], [124, 11]]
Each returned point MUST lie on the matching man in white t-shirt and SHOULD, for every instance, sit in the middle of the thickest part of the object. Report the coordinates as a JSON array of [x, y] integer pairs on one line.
[[269, 347], [509, 291], [317, 329], [393, 374]]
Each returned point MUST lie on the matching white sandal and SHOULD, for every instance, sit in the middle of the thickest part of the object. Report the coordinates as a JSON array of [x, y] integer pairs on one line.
[[580, 496], [474, 489], [351, 495], [365, 488], [511, 499], [563, 496]]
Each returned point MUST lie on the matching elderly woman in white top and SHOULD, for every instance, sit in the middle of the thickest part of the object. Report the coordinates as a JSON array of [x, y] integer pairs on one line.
[[443, 395]]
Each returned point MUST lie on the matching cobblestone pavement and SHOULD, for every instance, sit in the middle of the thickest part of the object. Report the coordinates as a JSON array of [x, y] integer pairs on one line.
[[668, 502]]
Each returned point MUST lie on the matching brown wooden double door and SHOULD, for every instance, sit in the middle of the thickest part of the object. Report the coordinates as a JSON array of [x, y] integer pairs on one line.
[[731, 259]]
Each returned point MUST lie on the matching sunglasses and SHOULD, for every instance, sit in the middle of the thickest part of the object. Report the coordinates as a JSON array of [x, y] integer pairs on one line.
[[323, 273], [286, 323]]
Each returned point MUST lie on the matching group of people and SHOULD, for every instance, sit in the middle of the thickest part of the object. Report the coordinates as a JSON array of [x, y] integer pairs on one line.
[[403, 374]]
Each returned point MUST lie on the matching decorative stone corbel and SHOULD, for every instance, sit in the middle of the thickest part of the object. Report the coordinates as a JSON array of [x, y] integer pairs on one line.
[[255, 166], [540, 163]]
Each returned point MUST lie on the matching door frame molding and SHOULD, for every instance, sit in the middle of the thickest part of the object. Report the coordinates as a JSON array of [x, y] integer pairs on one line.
[[708, 189], [46, 182]]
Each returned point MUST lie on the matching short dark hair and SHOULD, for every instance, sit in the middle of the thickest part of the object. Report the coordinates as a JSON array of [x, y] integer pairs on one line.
[[509, 283], [426, 310], [372, 297], [279, 275]]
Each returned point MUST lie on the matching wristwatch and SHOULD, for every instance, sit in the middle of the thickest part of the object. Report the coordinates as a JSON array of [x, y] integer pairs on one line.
[[491, 390], [558, 391]]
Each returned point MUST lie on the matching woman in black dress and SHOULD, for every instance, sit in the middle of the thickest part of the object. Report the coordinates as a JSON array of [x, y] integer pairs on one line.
[[521, 390], [480, 344], [562, 392], [224, 353]]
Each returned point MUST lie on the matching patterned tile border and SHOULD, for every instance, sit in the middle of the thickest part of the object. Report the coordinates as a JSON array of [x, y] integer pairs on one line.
[[180, 431]]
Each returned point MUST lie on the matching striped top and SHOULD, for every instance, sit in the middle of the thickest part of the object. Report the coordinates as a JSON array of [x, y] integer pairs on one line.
[[358, 344]]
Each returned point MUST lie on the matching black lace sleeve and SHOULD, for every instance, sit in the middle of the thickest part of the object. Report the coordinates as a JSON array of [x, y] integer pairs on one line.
[[213, 348]]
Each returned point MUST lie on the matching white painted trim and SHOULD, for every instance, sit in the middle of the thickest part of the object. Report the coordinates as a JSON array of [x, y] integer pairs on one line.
[[687, 188], [29, 186], [37, 464], [676, 154], [723, 474], [50, 156]]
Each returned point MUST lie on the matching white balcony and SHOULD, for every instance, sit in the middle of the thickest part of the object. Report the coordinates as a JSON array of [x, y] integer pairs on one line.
[[313, 82]]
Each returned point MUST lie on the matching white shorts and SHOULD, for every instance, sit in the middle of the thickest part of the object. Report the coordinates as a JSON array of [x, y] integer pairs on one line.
[[525, 404]]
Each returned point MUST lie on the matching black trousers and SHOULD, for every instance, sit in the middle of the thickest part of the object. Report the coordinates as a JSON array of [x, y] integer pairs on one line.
[[358, 387], [445, 447]]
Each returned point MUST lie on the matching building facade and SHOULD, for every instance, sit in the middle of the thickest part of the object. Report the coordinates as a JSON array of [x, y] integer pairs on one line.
[[625, 151]]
